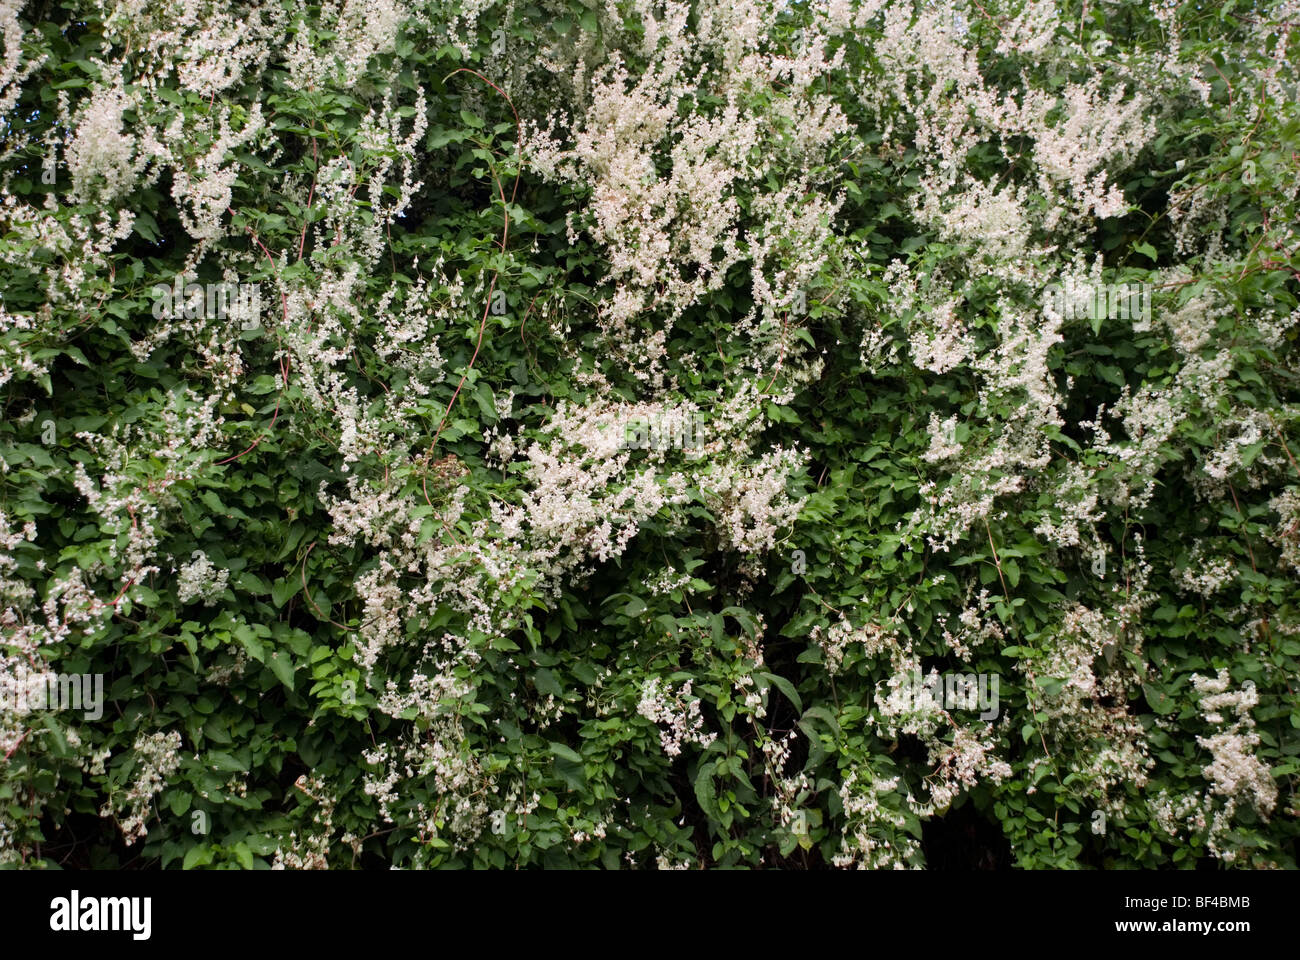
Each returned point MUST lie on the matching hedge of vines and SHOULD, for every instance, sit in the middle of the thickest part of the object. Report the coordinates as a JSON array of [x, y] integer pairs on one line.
[[374, 575]]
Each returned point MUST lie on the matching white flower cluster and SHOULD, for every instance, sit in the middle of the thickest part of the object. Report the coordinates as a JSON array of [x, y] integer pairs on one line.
[[1246, 433], [677, 712], [200, 579], [943, 439], [1235, 772], [1205, 575], [14, 67], [310, 852], [753, 503], [157, 757], [836, 639], [1286, 535], [962, 764], [335, 44], [101, 157], [666, 180], [667, 581], [875, 836], [1080, 689]]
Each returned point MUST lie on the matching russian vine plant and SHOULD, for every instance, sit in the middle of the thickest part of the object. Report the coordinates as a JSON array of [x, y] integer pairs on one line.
[[566, 434]]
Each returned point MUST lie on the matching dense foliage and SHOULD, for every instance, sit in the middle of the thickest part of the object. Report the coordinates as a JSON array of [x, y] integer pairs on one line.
[[374, 574]]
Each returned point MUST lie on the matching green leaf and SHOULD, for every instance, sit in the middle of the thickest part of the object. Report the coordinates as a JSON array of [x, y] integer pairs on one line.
[[786, 687], [564, 752], [1012, 570], [705, 793], [245, 635], [1158, 699], [197, 857], [1147, 251], [282, 590], [281, 665], [224, 763], [824, 715], [545, 682]]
